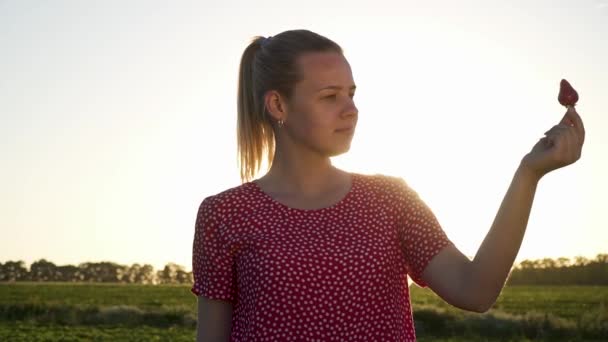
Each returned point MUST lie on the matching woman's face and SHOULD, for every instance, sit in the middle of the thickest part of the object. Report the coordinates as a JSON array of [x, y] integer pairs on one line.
[[321, 114]]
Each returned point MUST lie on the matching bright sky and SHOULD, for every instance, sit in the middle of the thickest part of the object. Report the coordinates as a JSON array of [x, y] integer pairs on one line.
[[118, 117]]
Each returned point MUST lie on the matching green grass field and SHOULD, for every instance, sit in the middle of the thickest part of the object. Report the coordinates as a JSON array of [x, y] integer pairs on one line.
[[121, 312]]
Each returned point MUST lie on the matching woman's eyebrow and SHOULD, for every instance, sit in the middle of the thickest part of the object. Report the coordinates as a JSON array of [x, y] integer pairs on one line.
[[336, 87]]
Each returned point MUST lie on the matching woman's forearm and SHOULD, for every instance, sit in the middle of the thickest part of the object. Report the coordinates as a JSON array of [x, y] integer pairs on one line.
[[494, 259]]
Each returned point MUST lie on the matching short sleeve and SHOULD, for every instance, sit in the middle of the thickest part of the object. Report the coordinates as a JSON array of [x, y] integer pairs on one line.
[[421, 235], [213, 266]]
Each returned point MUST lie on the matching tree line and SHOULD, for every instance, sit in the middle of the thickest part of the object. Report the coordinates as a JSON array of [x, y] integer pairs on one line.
[[560, 271], [99, 272]]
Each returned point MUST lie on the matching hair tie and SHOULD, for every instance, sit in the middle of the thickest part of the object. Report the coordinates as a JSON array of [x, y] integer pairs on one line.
[[265, 41]]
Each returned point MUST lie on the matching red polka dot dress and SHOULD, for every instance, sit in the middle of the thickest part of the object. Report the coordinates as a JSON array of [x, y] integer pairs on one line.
[[333, 274]]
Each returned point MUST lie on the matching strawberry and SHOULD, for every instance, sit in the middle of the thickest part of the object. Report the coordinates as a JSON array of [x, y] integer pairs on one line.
[[567, 95]]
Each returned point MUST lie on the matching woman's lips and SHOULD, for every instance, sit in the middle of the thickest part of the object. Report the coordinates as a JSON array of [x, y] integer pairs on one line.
[[346, 129]]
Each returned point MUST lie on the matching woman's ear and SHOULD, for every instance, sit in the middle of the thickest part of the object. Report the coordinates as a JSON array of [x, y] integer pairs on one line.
[[275, 105]]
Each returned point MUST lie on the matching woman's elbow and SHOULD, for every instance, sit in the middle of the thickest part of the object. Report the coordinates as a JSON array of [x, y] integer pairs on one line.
[[481, 302], [482, 307]]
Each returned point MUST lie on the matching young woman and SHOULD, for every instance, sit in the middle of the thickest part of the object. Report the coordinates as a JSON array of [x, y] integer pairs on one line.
[[312, 252]]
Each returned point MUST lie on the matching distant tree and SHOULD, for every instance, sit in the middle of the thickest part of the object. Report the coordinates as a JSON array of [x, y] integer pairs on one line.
[[43, 270], [67, 273], [147, 275], [173, 274], [134, 274], [107, 272], [86, 272], [547, 263], [602, 258], [168, 274], [183, 277], [138, 274], [122, 273], [14, 271], [563, 262], [580, 261], [101, 272], [527, 264]]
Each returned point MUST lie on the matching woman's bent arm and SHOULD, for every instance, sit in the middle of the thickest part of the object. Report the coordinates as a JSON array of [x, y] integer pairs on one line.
[[475, 285]]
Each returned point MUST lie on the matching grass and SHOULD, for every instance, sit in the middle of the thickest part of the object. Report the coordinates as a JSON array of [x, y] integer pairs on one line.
[[65, 311], [573, 313], [30, 332], [568, 302], [98, 294]]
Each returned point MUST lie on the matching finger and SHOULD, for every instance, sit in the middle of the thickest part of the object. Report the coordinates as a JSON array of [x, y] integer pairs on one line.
[[577, 124], [547, 141], [560, 145], [574, 144], [561, 130], [558, 128], [556, 133], [566, 144], [567, 119], [575, 118], [570, 142]]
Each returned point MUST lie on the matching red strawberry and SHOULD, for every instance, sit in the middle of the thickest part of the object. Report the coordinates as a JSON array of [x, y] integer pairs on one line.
[[567, 95]]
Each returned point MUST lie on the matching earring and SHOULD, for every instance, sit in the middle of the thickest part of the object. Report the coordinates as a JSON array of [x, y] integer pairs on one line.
[[281, 123]]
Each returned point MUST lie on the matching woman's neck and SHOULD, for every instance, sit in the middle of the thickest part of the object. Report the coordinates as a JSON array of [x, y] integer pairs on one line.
[[304, 175]]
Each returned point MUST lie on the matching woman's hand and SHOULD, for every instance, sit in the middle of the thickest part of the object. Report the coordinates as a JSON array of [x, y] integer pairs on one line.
[[561, 146]]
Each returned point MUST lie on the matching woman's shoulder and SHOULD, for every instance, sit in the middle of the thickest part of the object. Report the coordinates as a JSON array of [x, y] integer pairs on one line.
[[391, 190], [229, 200], [381, 181]]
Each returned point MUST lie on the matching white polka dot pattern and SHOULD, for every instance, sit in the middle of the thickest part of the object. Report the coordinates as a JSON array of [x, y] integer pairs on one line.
[[331, 274]]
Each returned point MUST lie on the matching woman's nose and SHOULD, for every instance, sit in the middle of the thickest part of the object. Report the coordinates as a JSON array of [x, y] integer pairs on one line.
[[351, 109]]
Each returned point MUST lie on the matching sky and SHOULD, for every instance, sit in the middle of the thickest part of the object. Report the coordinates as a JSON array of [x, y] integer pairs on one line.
[[117, 118]]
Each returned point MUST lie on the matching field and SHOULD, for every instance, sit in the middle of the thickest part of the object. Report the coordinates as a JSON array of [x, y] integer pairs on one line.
[[115, 312]]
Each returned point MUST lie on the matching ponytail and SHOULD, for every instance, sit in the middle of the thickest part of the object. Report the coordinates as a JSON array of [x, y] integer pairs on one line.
[[254, 133]]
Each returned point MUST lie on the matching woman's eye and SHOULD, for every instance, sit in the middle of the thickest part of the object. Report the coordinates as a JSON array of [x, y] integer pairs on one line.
[[334, 96]]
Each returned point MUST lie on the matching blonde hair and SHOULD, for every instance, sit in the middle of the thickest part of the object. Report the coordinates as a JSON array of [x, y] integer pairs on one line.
[[268, 64]]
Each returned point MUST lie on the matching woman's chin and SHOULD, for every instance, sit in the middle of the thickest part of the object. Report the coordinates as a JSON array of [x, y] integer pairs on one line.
[[339, 151]]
